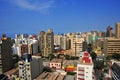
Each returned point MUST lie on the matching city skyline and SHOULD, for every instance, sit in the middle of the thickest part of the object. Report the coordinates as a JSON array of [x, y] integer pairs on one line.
[[32, 16]]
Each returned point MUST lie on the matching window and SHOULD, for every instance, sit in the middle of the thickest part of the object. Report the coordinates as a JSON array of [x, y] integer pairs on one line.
[[86, 72]]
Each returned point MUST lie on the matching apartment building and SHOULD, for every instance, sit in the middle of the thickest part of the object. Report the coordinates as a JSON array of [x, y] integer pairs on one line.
[[6, 62], [112, 45], [30, 68], [85, 67], [117, 30], [46, 42], [77, 45]]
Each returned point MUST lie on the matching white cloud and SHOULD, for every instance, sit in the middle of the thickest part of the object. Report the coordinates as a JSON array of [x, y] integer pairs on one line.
[[38, 5]]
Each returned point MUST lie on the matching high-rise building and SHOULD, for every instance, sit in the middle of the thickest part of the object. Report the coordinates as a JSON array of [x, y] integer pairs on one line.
[[30, 67], [77, 46], [111, 45], [57, 39], [109, 31], [24, 49], [117, 30], [63, 43], [5, 54], [84, 45], [46, 41], [85, 67]]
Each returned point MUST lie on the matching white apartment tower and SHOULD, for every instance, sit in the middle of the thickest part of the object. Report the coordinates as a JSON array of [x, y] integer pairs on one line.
[[85, 67]]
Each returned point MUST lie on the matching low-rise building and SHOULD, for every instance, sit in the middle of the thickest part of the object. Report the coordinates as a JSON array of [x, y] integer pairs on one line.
[[56, 63], [50, 76]]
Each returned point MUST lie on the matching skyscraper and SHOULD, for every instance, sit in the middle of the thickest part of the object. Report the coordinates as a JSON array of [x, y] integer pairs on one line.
[[5, 54], [109, 31], [117, 30], [46, 41]]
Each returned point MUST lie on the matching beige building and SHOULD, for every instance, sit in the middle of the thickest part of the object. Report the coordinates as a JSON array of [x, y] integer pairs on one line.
[[117, 31], [30, 70], [76, 45], [46, 41], [57, 39], [111, 45]]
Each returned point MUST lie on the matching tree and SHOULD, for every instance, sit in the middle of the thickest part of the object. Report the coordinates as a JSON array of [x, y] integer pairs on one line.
[[113, 56], [108, 57], [67, 57], [51, 56], [47, 69], [93, 55], [99, 65], [116, 56], [89, 48]]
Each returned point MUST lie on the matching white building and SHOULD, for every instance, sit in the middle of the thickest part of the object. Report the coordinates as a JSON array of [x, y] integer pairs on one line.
[[60, 40], [85, 68]]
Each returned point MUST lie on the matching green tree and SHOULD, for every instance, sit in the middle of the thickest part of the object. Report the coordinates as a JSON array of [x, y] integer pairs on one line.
[[51, 56], [93, 55], [89, 48], [99, 65], [108, 57], [116, 56], [67, 57]]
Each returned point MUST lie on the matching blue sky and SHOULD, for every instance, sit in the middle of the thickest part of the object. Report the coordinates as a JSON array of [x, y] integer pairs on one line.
[[32, 16]]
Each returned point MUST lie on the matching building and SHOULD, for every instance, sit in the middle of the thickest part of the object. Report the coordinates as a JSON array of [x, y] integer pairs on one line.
[[63, 42], [77, 45], [50, 76], [85, 68], [115, 70], [56, 63], [30, 68], [98, 46], [84, 45], [117, 30], [5, 54], [24, 49], [93, 37], [111, 45], [109, 32], [13, 74], [60, 41], [57, 39], [46, 42]]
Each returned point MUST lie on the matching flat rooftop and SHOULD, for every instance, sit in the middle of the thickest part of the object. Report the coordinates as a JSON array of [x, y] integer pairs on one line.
[[12, 71], [56, 60], [50, 76], [81, 61]]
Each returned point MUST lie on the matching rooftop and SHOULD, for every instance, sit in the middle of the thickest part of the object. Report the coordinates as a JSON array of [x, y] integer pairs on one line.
[[56, 60], [86, 59], [50, 76], [12, 71]]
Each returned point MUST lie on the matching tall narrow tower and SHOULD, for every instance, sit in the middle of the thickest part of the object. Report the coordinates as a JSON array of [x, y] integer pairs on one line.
[[46, 41], [117, 30], [5, 54], [109, 31]]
